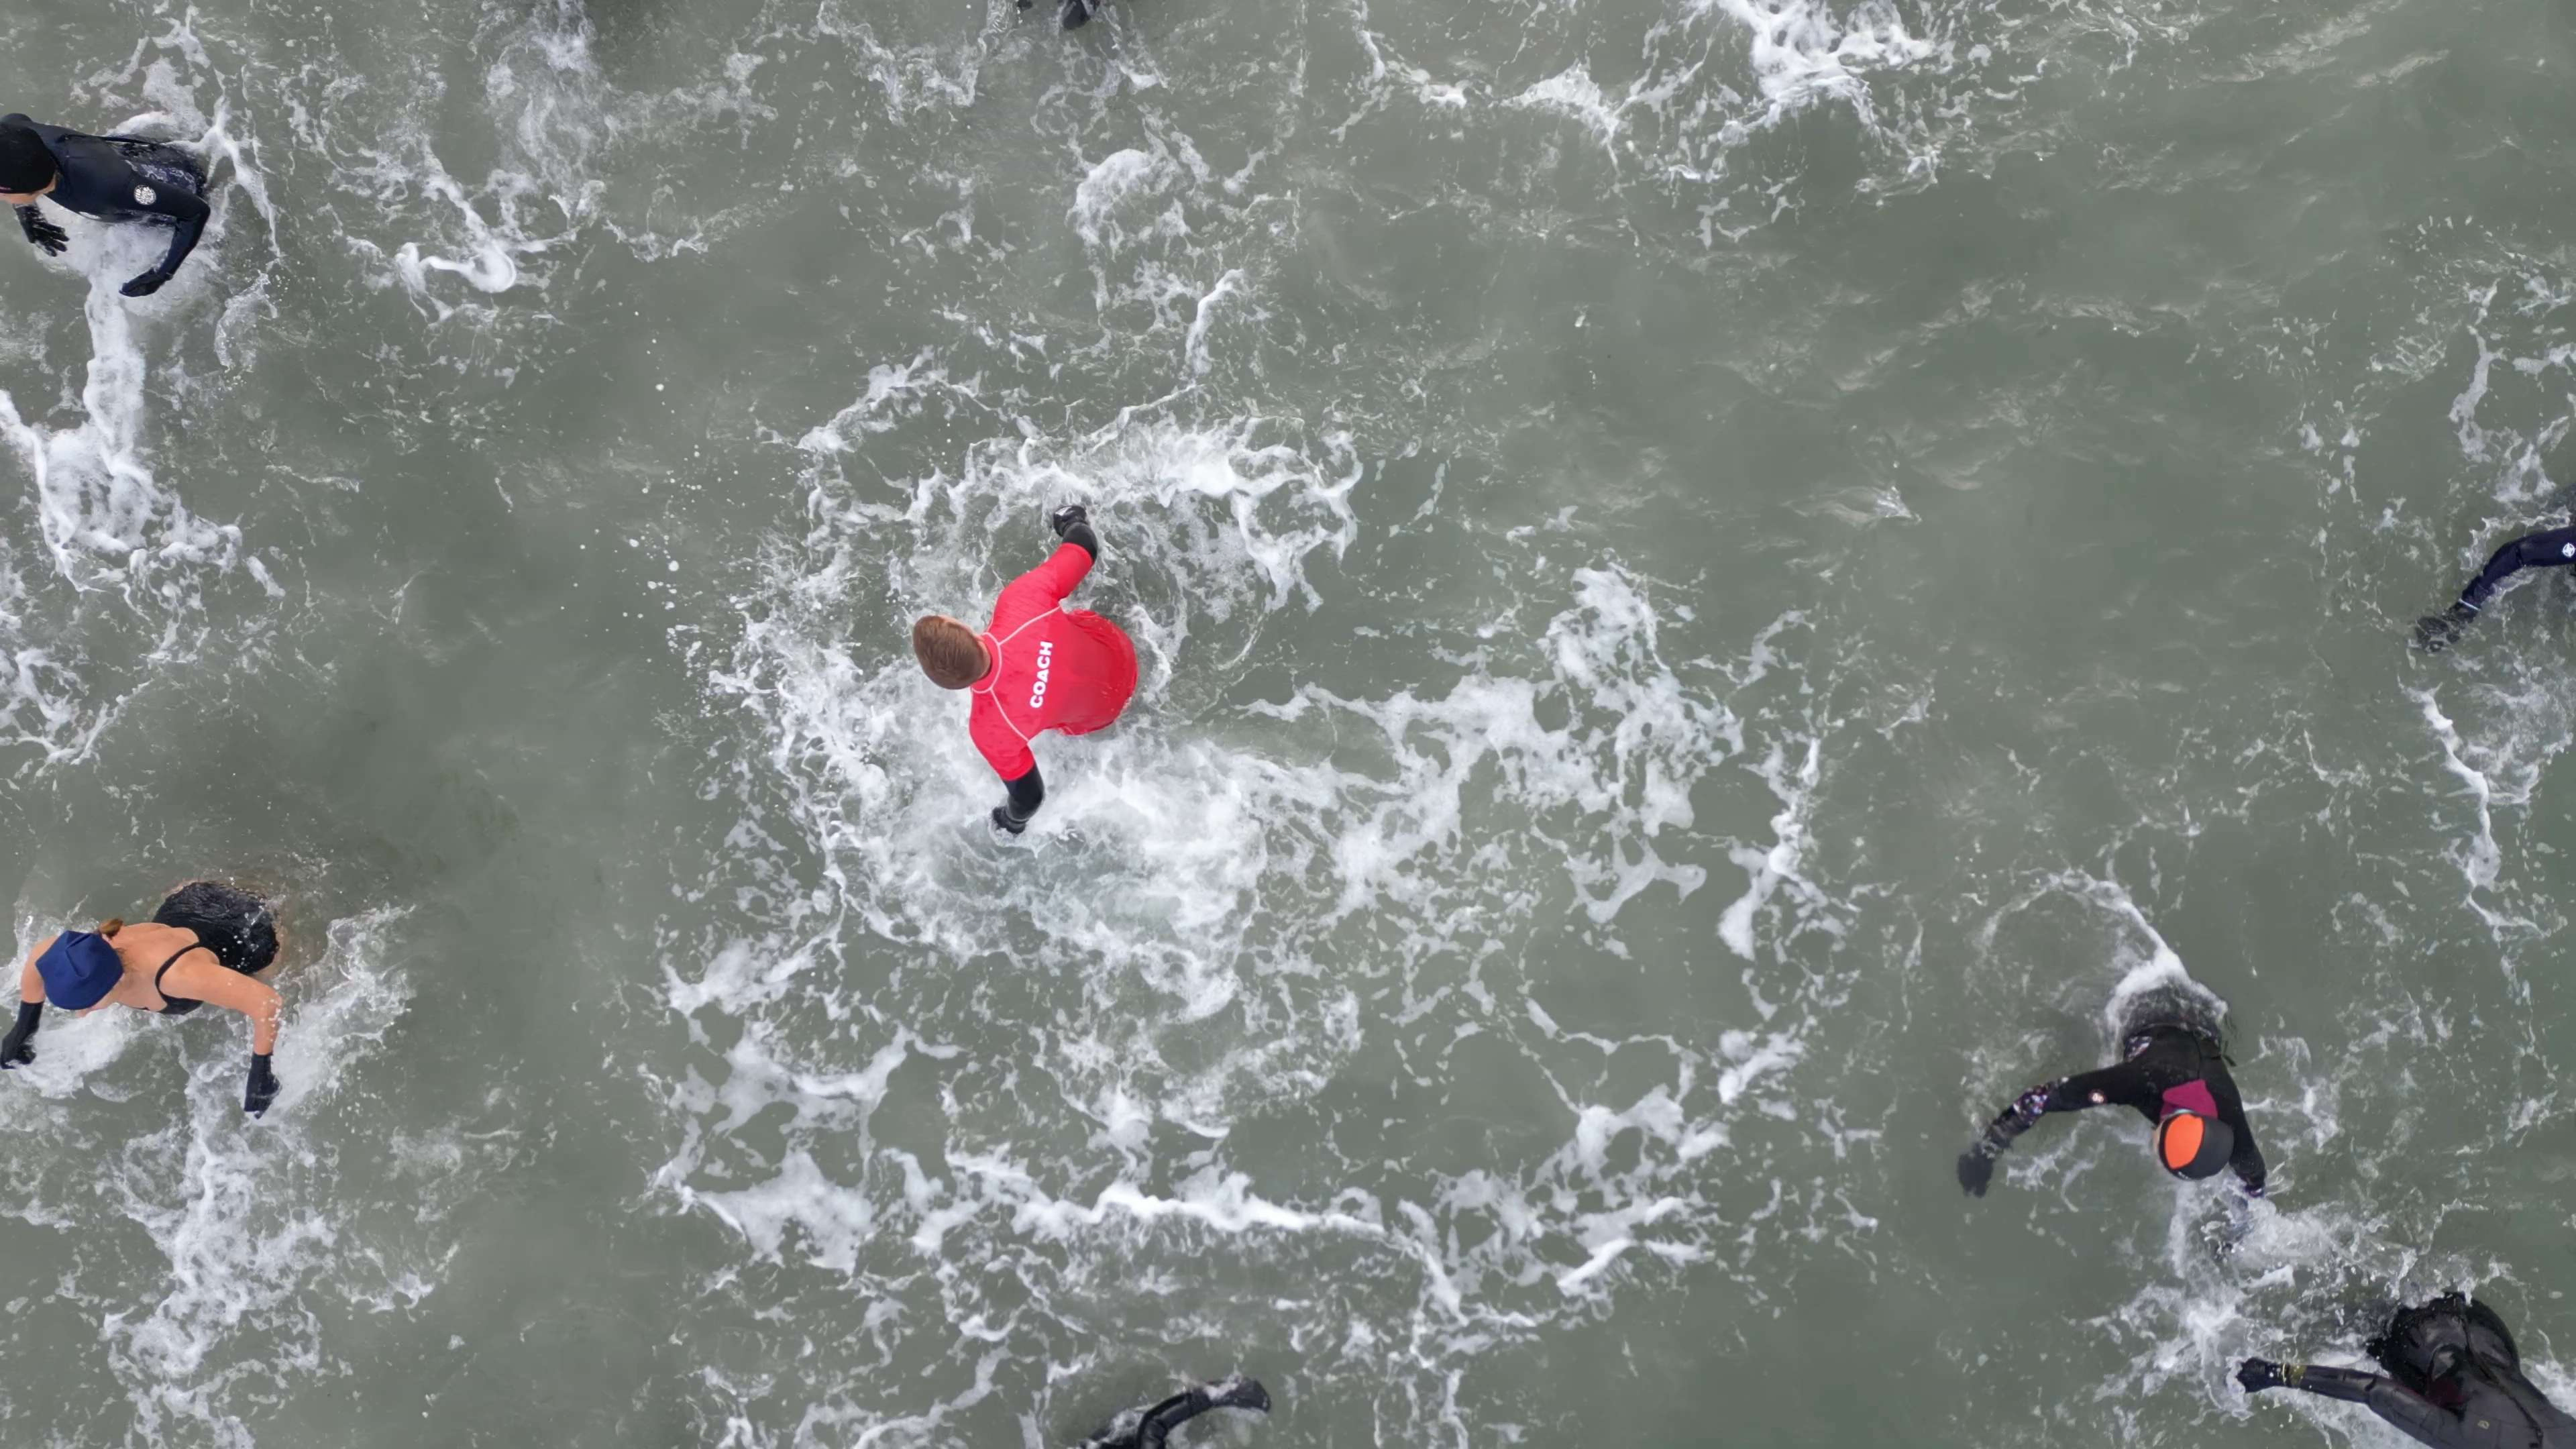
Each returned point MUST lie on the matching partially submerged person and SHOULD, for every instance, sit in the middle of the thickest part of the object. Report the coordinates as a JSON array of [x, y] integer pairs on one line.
[[1077, 13], [1150, 1428], [2172, 1071], [111, 178], [207, 943], [2454, 1381], [1039, 666], [2549, 548]]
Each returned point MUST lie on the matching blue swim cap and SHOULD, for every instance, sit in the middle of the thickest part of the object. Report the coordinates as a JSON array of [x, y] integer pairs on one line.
[[79, 970]]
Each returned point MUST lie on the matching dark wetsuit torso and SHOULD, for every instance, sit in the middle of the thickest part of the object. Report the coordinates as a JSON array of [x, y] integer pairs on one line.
[[127, 179], [2160, 1060], [2550, 548], [2456, 1382]]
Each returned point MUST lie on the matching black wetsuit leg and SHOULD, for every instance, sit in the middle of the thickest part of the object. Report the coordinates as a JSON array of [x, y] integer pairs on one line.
[[2551, 548]]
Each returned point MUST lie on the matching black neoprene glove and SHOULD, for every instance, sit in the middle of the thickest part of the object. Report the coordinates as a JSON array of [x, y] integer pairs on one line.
[[1064, 519], [2434, 632], [1004, 820], [1976, 1169], [14, 1048], [147, 284], [2258, 1374], [262, 1089], [1075, 13], [42, 232]]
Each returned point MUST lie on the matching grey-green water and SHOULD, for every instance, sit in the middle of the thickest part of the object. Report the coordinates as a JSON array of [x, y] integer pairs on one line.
[[1712, 578]]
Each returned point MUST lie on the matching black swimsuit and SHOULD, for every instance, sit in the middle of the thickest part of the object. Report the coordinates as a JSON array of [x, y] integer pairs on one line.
[[177, 1005], [235, 926]]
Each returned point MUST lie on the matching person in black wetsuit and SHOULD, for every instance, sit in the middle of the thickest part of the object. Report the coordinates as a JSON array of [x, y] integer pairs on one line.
[[2454, 1381], [2174, 1074], [208, 942], [112, 178], [1150, 1428], [2549, 548]]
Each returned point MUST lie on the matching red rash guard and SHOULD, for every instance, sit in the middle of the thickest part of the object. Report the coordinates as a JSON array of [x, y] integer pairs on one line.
[[1054, 668]]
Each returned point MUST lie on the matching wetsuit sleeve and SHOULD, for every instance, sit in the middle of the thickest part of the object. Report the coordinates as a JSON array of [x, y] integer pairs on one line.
[[1159, 1422], [188, 213], [1028, 792], [2551, 548], [2420, 1418], [2248, 1158], [2119, 1085]]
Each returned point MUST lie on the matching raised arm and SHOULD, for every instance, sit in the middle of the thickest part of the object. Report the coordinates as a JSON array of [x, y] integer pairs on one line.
[[2117, 1085], [1065, 569], [201, 978], [2420, 1418]]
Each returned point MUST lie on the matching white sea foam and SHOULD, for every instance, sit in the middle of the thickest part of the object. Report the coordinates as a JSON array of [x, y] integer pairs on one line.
[[251, 1217], [1212, 898]]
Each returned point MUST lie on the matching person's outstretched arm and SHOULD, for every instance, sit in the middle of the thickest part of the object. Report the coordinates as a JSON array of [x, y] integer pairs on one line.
[[1065, 569], [1234, 1393], [255, 999], [2117, 1085], [2420, 1418], [188, 213], [2550, 548]]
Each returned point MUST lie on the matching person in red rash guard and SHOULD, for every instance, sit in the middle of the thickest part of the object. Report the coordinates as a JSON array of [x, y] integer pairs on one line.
[[1039, 666]]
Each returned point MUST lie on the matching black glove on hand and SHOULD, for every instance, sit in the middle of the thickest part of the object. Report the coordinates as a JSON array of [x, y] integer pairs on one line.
[[1004, 820], [42, 232], [14, 1050], [263, 1085], [1063, 519], [1075, 13], [147, 284], [2258, 1374], [1239, 1392], [2434, 632], [1976, 1169]]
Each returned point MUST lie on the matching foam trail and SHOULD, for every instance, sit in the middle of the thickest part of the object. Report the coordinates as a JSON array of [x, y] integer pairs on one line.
[[2479, 857]]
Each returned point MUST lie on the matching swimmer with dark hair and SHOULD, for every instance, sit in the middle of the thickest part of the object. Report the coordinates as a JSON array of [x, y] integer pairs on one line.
[[207, 943], [1150, 1428], [2454, 1381], [110, 178], [2173, 1073], [1038, 666], [2549, 548]]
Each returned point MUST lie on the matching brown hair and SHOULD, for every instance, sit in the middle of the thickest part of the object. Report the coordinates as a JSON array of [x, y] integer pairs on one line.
[[949, 652], [111, 925]]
